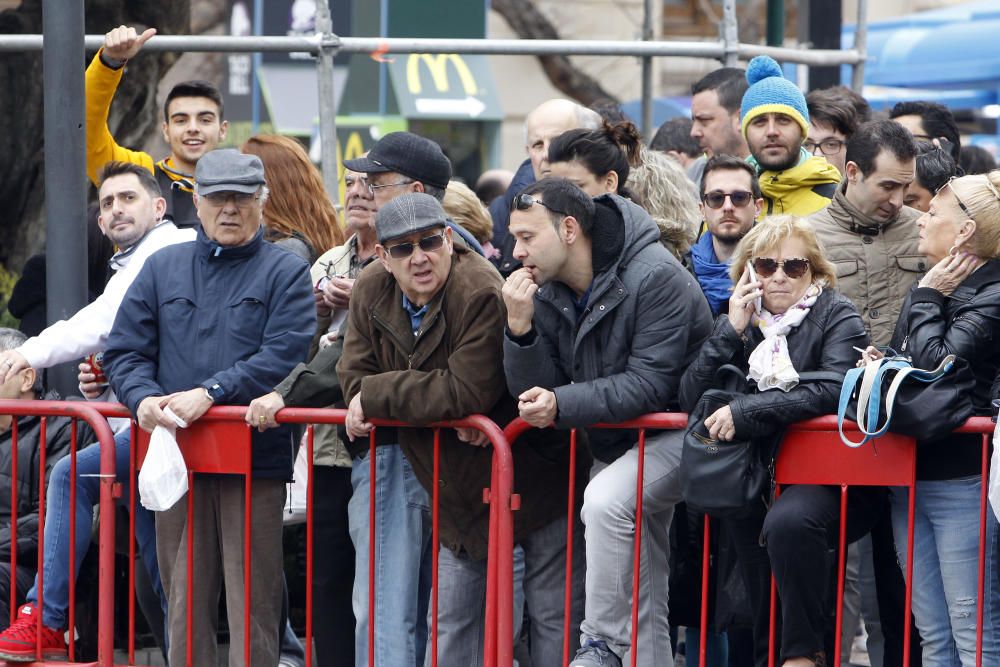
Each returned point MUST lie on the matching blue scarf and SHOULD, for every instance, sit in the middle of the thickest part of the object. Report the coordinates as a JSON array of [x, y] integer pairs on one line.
[[712, 275]]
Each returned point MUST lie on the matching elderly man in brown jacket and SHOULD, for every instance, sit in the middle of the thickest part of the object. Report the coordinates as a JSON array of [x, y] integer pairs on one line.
[[424, 343], [867, 232]]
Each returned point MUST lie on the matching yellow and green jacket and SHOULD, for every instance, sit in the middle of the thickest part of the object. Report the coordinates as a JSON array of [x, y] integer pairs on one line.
[[802, 190]]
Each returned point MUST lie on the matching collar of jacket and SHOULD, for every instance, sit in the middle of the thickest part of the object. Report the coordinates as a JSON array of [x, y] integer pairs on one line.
[[121, 258], [808, 173], [988, 274], [209, 249], [184, 181], [848, 216], [607, 252], [388, 312]]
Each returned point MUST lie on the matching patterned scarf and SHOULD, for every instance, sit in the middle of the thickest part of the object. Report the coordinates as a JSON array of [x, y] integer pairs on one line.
[[770, 364]]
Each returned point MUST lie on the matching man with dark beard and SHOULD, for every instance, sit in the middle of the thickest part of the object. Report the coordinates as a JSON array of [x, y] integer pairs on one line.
[[775, 122], [730, 201]]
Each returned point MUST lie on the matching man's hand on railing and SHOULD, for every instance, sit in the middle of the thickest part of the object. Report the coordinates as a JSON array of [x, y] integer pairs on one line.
[[355, 422], [262, 409], [150, 413], [473, 436], [538, 407], [190, 405]]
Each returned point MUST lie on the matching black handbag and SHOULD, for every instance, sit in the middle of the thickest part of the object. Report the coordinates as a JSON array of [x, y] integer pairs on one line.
[[725, 478], [923, 404]]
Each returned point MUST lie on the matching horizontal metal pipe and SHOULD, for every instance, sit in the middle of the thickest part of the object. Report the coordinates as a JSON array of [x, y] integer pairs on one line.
[[312, 44]]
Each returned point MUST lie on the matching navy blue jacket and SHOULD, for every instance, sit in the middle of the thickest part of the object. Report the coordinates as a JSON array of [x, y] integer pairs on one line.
[[199, 314]]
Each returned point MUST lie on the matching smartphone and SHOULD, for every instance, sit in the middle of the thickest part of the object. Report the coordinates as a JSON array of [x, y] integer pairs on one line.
[[753, 278]]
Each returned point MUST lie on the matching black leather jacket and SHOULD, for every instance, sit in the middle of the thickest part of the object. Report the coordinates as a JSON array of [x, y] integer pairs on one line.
[[824, 341], [965, 323]]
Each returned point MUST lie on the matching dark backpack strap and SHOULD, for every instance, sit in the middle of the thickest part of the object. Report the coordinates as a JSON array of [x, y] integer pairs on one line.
[[180, 205]]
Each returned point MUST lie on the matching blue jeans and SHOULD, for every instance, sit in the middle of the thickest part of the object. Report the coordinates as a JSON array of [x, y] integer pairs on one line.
[[402, 559], [946, 571], [88, 494], [539, 580]]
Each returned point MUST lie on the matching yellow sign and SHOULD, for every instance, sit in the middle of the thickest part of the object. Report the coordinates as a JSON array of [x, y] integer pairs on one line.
[[437, 66]]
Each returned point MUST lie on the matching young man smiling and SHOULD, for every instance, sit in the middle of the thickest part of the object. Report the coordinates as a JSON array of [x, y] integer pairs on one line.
[[192, 124]]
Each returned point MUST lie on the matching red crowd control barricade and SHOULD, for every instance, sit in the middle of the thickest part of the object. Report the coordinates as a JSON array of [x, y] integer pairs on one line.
[[220, 442], [77, 411], [811, 453], [658, 422]]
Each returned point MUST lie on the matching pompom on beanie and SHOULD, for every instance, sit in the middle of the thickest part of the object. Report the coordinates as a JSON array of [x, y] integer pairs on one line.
[[771, 92]]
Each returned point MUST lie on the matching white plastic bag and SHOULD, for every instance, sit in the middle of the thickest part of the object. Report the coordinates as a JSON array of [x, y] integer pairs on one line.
[[163, 478], [295, 501]]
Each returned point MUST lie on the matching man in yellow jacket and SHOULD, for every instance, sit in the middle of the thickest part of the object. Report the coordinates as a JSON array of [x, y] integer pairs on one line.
[[775, 122], [192, 124]]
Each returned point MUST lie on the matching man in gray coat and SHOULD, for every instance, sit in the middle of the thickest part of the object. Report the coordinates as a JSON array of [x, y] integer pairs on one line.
[[601, 322]]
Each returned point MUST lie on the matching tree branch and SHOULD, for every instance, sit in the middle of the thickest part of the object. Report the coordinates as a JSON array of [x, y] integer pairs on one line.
[[528, 22]]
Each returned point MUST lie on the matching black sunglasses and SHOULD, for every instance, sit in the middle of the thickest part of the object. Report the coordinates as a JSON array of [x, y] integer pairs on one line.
[[523, 202], [716, 198], [793, 268], [427, 244]]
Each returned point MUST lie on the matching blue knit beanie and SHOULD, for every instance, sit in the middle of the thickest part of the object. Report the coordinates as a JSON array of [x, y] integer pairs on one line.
[[771, 92]]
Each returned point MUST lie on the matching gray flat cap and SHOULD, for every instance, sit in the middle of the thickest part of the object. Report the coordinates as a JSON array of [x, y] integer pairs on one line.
[[228, 170], [407, 214]]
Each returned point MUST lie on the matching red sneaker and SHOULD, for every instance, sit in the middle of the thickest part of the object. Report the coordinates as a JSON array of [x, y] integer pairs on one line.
[[17, 643]]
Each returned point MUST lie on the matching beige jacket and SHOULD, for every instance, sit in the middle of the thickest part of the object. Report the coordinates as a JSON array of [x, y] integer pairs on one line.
[[877, 262]]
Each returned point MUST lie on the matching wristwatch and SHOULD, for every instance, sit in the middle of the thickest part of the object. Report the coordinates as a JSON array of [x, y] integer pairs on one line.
[[213, 392]]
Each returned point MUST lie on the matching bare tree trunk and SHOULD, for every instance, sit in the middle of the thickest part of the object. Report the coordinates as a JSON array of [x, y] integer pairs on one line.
[[133, 115], [528, 22]]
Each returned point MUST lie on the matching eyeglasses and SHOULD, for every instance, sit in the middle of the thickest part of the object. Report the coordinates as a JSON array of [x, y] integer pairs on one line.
[[427, 244], [372, 187], [523, 202], [795, 267], [241, 199], [954, 194], [717, 198], [826, 147]]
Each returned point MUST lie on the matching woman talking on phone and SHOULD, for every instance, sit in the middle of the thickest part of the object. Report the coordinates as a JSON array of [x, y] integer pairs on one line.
[[785, 318]]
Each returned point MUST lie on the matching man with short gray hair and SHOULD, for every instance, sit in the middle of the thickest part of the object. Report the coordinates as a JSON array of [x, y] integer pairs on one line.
[[542, 124], [218, 321]]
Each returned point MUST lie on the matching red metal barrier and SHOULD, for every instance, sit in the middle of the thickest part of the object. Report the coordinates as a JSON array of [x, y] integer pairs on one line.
[[210, 445], [811, 453], [78, 411], [657, 421]]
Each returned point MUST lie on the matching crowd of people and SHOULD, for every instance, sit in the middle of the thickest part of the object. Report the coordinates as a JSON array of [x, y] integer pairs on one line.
[[792, 237]]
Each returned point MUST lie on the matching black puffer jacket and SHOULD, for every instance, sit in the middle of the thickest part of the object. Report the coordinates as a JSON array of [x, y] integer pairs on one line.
[[965, 323], [57, 437], [824, 341]]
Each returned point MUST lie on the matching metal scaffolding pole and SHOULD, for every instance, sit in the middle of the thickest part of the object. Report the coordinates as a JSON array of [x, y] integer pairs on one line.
[[647, 72], [730, 34], [861, 46], [65, 172], [313, 43], [327, 101]]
